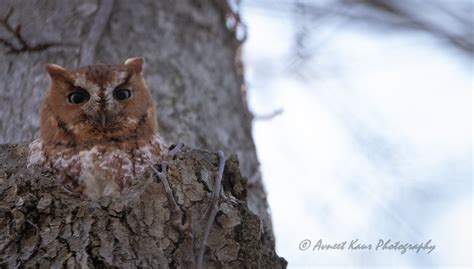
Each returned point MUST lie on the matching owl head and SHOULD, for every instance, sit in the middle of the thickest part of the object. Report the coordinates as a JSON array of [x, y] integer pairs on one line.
[[97, 104]]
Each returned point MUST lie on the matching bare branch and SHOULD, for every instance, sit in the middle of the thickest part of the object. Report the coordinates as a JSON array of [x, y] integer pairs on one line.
[[24, 45], [269, 116], [215, 209], [176, 213], [395, 15]]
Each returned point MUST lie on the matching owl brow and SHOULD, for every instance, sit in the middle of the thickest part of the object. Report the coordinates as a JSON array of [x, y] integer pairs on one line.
[[71, 85], [69, 82], [125, 81]]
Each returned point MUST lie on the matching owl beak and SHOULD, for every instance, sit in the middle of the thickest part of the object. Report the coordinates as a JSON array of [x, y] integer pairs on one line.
[[103, 120]]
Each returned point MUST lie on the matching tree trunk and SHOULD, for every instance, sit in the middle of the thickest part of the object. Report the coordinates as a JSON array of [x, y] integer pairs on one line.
[[43, 226], [193, 69]]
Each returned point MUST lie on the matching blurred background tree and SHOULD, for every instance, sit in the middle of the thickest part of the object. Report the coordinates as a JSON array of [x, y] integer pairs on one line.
[[374, 100], [451, 22]]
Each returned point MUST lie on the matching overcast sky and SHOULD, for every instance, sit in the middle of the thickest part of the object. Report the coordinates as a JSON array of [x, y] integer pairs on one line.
[[374, 142]]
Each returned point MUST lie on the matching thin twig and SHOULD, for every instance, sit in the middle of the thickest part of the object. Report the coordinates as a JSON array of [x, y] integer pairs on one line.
[[101, 19], [176, 213], [215, 210], [34, 226], [269, 116], [176, 149]]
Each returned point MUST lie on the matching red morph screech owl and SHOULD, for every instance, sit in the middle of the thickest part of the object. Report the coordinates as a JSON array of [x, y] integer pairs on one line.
[[98, 127]]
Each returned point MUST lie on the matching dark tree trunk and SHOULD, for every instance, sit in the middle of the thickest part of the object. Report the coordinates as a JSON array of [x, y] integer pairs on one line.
[[193, 68]]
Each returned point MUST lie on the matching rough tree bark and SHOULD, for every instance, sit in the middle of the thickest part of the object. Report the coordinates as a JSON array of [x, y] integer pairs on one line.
[[193, 68], [42, 225]]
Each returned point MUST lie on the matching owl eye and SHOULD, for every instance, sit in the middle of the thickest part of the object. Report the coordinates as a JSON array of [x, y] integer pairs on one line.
[[122, 94], [78, 96]]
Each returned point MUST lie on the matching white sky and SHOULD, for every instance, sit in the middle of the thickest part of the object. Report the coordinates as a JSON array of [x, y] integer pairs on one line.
[[375, 143]]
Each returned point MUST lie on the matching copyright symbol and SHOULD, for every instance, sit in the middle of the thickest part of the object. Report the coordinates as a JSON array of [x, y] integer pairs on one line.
[[305, 244]]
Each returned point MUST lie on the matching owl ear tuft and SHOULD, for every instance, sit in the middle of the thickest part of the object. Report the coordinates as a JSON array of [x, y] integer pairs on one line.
[[57, 71], [135, 63]]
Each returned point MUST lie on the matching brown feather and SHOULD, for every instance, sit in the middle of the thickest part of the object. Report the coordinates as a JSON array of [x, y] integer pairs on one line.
[[99, 145]]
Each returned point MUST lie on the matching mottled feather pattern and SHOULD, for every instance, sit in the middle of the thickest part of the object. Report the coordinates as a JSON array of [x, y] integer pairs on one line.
[[101, 170], [98, 144]]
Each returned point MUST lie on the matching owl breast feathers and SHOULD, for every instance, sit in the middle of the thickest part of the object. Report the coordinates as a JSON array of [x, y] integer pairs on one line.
[[98, 128]]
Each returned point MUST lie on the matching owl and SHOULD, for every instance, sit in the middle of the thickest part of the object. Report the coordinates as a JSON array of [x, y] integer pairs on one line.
[[98, 127]]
